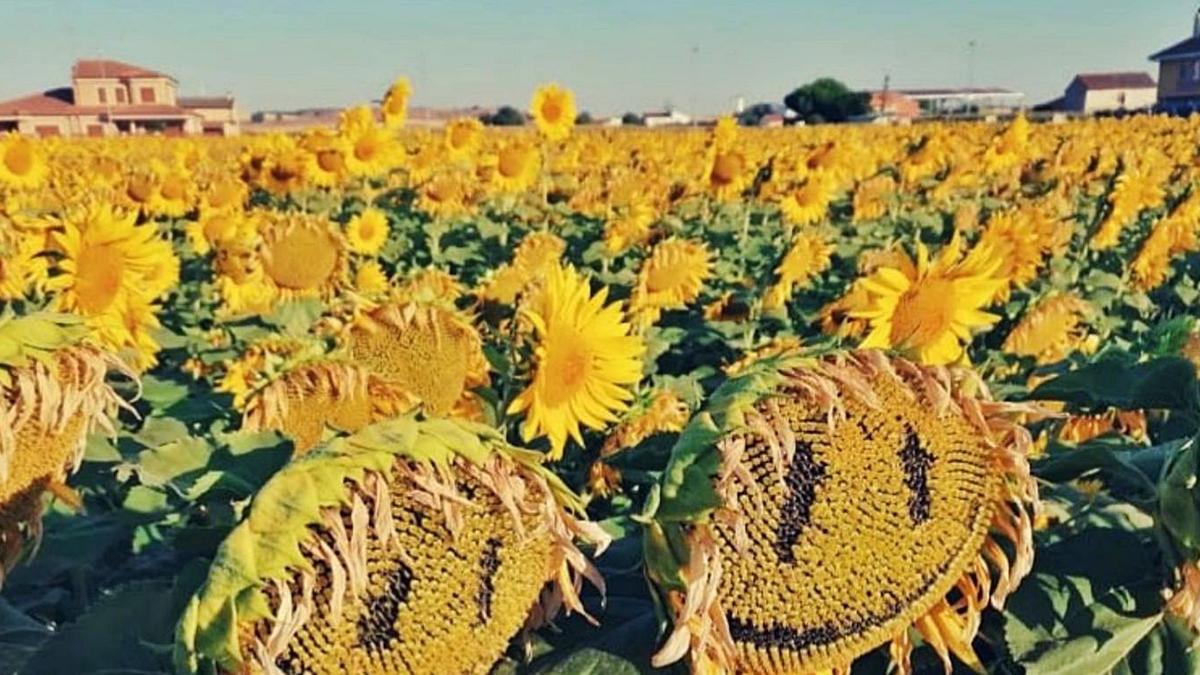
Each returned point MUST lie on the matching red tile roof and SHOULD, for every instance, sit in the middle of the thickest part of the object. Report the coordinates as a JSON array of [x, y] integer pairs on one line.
[[91, 68], [52, 102], [62, 102], [1098, 81]]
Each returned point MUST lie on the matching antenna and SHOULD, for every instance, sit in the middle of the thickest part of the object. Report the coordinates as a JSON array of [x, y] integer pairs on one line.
[[971, 45]]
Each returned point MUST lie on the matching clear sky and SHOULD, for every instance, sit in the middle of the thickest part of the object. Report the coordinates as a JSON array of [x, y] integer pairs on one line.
[[616, 55]]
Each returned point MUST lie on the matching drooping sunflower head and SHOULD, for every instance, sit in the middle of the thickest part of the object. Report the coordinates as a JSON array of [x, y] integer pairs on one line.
[[395, 103], [409, 546], [729, 172], [860, 497], [553, 110], [324, 392], [53, 393], [302, 254], [425, 349]]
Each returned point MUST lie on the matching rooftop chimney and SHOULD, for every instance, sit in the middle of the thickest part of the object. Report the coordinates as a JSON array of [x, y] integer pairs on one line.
[[1196, 25]]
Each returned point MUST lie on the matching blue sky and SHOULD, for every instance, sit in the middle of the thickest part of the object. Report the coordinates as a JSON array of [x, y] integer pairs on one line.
[[616, 54]]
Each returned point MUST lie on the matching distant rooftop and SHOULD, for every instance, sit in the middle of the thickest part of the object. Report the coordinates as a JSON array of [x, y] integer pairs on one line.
[[210, 102], [1129, 80], [959, 92], [1181, 49], [104, 68]]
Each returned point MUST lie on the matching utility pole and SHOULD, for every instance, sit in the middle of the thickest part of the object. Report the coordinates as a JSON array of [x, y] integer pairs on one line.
[[971, 45]]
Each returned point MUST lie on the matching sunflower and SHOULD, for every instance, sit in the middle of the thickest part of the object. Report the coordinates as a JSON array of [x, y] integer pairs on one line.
[[367, 232], [930, 308], [553, 111], [515, 166], [407, 544], [22, 162], [670, 278], [370, 279], [535, 254], [629, 228], [225, 192], [21, 265], [323, 392], [808, 256], [108, 264], [425, 349], [861, 498], [444, 195], [462, 137], [728, 173], [285, 166], [373, 151], [52, 395], [586, 360], [211, 227], [871, 197], [327, 152], [395, 103], [302, 254], [808, 203], [1050, 330], [174, 194]]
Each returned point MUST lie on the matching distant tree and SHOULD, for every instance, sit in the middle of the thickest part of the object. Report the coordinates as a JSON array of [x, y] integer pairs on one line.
[[752, 116], [584, 117], [827, 100], [632, 119], [506, 116]]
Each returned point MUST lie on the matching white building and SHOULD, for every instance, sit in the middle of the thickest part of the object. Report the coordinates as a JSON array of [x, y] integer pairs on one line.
[[1109, 92], [665, 118]]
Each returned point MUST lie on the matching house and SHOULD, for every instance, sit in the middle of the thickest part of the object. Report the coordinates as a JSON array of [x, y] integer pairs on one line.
[[1179, 73], [109, 97], [665, 118], [1108, 92], [894, 105]]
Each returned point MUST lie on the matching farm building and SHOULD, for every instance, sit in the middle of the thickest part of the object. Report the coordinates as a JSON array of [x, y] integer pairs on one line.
[[109, 97], [1108, 92]]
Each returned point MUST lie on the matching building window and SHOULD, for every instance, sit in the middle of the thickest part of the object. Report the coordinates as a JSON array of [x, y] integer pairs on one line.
[[120, 94], [103, 95], [147, 94]]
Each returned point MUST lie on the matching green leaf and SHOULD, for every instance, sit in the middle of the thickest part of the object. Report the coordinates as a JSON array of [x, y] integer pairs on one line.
[[1163, 384], [590, 661], [20, 637], [1166, 650], [172, 461], [123, 632]]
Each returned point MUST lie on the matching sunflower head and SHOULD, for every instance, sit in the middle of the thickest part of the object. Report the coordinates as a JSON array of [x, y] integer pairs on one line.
[[586, 360], [22, 162], [425, 349], [407, 544], [671, 277], [929, 308], [462, 137], [855, 498], [52, 395], [302, 254], [395, 103], [553, 110], [310, 395]]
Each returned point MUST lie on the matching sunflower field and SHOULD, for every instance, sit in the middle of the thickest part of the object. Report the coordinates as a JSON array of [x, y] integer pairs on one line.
[[559, 399]]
